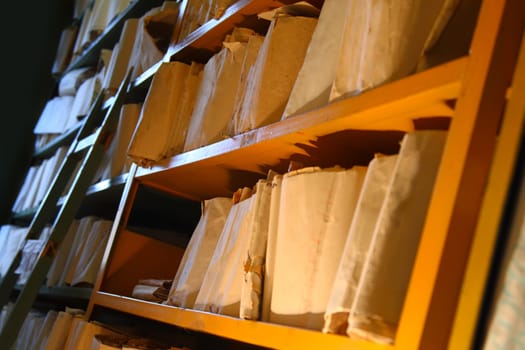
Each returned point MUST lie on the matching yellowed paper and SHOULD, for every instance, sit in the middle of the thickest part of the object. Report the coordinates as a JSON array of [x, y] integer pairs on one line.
[[198, 253], [274, 73], [387, 268], [371, 198], [316, 210]]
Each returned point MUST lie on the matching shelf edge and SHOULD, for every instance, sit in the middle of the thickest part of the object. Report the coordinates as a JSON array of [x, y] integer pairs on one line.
[[253, 332]]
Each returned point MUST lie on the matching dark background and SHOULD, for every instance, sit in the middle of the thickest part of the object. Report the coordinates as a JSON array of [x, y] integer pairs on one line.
[[30, 31]]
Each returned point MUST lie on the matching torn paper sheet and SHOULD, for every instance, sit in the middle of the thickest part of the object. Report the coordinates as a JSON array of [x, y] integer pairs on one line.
[[255, 255], [157, 118], [382, 41], [314, 81]]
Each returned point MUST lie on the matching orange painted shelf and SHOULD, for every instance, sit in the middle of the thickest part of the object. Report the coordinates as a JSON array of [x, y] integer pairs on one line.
[[373, 120], [253, 332]]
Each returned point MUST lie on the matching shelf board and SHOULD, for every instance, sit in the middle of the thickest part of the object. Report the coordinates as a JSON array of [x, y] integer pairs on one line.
[[253, 332], [61, 293], [390, 110], [111, 34]]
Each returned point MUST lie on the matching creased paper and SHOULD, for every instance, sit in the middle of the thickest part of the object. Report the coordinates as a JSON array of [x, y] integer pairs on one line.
[[386, 271], [382, 41], [198, 253], [221, 288], [316, 210], [273, 75], [375, 186], [255, 255]]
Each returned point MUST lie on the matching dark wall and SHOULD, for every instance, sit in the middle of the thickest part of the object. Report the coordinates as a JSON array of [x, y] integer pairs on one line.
[[30, 31]]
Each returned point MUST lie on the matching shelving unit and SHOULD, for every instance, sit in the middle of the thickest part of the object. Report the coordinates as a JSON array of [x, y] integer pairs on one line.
[[467, 96], [461, 93]]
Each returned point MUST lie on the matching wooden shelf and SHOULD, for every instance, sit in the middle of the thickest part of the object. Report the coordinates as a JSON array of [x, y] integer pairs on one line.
[[371, 122], [253, 332], [62, 293], [111, 34]]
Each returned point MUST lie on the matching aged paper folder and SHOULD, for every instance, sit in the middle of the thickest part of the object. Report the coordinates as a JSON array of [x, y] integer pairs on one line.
[[45, 329], [272, 77], [59, 262], [79, 238], [375, 186], [252, 50], [83, 99], [127, 122], [120, 57], [254, 256], [221, 288], [65, 49], [59, 332], [273, 221], [386, 271], [86, 269], [198, 253], [316, 210], [148, 48], [219, 87], [157, 118], [314, 81], [11, 240], [81, 334], [382, 41], [177, 137]]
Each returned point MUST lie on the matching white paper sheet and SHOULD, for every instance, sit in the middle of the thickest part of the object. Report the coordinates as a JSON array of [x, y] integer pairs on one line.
[[11, 241], [184, 111], [375, 187], [83, 100], [198, 253], [62, 256], [146, 53], [316, 210], [84, 226], [387, 268]]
